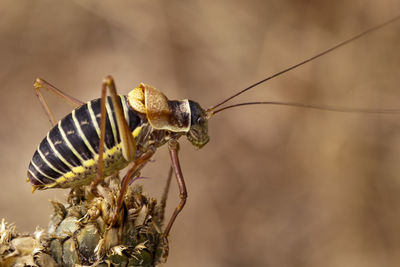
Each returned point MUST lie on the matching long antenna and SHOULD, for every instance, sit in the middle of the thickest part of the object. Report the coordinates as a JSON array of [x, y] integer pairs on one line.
[[302, 105], [362, 34]]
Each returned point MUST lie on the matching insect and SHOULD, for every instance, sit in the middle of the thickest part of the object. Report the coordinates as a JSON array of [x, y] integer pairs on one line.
[[104, 135]]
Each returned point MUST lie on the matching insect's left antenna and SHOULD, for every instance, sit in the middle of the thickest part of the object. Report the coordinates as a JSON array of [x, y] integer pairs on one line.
[[362, 34], [308, 106]]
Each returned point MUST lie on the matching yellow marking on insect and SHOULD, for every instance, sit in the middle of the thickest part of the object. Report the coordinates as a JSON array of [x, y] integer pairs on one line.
[[40, 171], [112, 122], [33, 175], [64, 136], [93, 117], [61, 179], [70, 174], [37, 84], [94, 121], [112, 151], [81, 134], [124, 107], [137, 130], [85, 168], [57, 153], [54, 184], [34, 187], [89, 163], [79, 169]]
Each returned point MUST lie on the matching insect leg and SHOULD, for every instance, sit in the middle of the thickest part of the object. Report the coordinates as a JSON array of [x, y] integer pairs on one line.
[[39, 84], [163, 202], [128, 144], [132, 172], [173, 147]]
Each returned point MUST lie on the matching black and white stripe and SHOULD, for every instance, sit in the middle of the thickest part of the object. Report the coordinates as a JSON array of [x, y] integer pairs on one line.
[[75, 139]]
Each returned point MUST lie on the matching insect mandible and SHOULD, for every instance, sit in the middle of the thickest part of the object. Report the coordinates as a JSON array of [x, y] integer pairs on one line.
[[105, 135]]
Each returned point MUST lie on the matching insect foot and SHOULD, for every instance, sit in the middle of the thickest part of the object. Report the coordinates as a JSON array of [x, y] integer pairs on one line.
[[79, 232]]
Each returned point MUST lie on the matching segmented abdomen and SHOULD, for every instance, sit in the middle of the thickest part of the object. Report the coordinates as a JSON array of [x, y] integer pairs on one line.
[[68, 155]]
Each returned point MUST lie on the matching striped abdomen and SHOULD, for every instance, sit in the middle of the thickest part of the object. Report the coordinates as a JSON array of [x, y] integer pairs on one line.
[[68, 155]]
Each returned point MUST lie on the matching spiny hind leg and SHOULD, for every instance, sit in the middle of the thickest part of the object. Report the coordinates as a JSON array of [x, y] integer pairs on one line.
[[39, 84]]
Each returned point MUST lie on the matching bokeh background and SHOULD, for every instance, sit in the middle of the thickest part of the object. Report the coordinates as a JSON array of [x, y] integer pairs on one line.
[[276, 186]]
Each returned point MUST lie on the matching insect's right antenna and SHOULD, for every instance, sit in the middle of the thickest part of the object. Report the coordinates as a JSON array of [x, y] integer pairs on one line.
[[362, 34]]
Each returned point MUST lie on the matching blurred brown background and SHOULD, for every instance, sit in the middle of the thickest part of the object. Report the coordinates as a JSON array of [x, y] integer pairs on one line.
[[276, 186]]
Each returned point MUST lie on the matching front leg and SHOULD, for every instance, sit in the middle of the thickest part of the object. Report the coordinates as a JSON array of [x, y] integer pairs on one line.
[[173, 147]]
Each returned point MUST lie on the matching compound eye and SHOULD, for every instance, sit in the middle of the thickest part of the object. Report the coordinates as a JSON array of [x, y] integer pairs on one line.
[[200, 120]]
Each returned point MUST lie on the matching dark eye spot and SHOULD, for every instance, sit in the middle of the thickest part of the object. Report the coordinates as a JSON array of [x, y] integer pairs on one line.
[[200, 120]]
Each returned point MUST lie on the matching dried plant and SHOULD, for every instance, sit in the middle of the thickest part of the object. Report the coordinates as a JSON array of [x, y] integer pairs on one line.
[[79, 232]]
